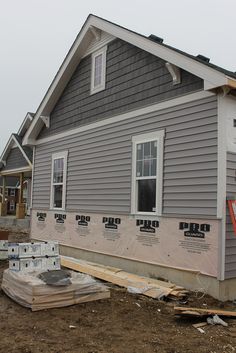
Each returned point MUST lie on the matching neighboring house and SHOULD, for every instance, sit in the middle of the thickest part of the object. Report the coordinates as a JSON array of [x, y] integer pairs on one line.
[[16, 161], [10, 195], [134, 156]]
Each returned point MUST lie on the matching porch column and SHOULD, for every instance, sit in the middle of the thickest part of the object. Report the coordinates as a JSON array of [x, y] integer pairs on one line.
[[3, 204], [20, 206]]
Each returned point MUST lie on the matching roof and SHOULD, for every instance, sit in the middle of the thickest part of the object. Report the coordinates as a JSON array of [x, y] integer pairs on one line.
[[212, 75]]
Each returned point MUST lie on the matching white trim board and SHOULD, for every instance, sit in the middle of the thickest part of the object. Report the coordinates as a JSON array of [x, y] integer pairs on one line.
[[212, 78], [135, 113], [15, 171]]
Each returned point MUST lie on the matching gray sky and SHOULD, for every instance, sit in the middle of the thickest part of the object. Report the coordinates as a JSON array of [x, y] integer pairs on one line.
[[35, 36]]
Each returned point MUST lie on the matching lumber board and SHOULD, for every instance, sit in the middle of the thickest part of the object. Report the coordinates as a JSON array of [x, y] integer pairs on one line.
[[202, 312], [150, 287]]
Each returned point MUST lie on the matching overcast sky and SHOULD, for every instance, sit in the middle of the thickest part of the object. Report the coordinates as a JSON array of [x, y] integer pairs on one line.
[[35, 36]]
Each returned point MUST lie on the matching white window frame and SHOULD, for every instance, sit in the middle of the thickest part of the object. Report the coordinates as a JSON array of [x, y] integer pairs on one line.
[[101, 87], [58, 155], [157, 136]]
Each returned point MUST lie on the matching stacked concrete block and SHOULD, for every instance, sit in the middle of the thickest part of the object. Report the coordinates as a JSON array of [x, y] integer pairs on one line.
[[29, 257], [3, 249]]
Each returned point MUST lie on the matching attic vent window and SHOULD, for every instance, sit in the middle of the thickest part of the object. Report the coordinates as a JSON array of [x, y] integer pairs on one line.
[[98, 74]]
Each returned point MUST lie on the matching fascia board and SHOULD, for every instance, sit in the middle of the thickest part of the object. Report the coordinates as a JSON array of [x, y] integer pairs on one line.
[[67, 66], [27, 117], [211, 77], [7, 149]]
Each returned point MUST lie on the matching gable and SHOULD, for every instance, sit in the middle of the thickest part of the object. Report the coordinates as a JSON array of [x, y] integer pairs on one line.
[[134, 79], [212, 76], [15, 160], [15, 155]]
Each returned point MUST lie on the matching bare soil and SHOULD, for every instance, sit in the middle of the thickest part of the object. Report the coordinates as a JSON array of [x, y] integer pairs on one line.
[[125, 323]]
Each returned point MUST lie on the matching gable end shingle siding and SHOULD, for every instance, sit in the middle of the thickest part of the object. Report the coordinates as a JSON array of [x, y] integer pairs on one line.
[[15, 160], [134, 79]]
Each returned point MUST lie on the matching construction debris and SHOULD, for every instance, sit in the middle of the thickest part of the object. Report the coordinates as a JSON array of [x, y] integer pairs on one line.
[[216, 320], [136, 284], [30, 291], [199, 312]]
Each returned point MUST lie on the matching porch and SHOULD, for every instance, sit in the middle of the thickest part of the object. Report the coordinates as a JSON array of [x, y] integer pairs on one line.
[[23, 196]]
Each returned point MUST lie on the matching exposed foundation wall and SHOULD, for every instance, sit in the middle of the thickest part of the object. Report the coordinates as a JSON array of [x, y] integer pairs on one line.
[[184, 244]]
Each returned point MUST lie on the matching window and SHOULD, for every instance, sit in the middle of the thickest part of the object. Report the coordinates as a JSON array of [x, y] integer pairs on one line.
[[58, 180], [6, 192], [12, 205], [147, 173], [12, 192], [98, 77]]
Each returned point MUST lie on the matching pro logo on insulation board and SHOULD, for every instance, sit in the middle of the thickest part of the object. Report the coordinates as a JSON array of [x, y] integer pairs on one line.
[[195, 240], [111, 228], [60, 220], [194, 230], [83, 224], [41, 220], [82, 220], [147, 226], [41, 216], [111, 223], [147, 235]]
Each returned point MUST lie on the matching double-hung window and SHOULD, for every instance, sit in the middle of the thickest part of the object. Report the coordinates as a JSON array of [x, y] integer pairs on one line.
[[147, 173], [58, 180], [98, 77]]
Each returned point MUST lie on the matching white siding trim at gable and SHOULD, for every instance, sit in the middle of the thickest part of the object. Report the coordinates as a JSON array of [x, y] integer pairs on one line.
[[97, 44], [135, 113]]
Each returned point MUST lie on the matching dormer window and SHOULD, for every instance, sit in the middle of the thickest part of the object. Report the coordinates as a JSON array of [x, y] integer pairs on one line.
[[98, 77]]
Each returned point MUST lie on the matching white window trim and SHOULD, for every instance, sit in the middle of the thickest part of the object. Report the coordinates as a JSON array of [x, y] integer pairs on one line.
[[159, 137], [102, 86], [64, 155]]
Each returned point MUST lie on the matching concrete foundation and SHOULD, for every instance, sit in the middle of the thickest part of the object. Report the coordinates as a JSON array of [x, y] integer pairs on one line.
[[221, 290]]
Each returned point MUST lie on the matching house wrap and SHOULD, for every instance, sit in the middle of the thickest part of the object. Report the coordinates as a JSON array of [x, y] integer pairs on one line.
[[134, 157]]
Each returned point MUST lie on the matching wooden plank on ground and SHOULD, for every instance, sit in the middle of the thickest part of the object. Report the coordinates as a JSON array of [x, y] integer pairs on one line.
[[150, 287], [202, 312]]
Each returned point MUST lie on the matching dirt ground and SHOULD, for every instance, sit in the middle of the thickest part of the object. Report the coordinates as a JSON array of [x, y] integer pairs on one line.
[[125, 323]]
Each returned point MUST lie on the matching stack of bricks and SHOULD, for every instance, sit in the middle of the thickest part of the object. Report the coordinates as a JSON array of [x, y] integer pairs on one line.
[[30, 257]]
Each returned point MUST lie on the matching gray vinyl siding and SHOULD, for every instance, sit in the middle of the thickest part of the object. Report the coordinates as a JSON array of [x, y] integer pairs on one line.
[[15, 160], [134, 78], [99, 163], [230, 250]]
